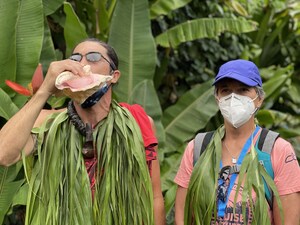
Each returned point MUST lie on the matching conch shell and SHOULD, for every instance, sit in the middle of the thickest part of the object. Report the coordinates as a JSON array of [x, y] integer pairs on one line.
[[79, 88]]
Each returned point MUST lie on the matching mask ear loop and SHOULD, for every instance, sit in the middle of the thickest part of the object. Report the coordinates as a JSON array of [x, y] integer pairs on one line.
[[94, 98], [255, 98], [256, 108]]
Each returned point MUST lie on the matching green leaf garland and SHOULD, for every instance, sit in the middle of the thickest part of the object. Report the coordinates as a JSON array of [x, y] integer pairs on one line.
[[59, 186]]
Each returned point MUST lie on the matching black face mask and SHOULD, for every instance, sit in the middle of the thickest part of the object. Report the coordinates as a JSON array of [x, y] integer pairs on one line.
[[94, 98]]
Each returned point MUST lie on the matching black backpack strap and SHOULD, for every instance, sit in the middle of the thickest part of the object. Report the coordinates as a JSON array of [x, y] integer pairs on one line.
[[266, 140], [200, 143]]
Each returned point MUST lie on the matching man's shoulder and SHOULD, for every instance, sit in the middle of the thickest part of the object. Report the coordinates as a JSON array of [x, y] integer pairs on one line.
[[137, 111], [132, 107], [143, 121]]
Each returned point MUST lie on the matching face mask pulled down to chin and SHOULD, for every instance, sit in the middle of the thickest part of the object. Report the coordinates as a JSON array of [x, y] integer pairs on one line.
[[237, 109], [80, 88]]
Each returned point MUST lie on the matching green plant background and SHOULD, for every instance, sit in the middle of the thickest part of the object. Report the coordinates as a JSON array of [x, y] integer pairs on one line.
[[169, 52]]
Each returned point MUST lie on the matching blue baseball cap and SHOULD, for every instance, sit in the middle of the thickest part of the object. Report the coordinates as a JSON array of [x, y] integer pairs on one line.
[[241, 70]]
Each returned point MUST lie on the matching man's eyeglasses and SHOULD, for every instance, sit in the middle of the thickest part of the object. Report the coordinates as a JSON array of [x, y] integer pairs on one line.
[[92, 57]]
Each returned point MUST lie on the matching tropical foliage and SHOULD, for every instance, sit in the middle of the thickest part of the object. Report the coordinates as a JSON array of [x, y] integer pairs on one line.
[[169, 52]]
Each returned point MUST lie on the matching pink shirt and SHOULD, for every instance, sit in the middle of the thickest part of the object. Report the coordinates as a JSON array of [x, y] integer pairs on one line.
[[286, 175]]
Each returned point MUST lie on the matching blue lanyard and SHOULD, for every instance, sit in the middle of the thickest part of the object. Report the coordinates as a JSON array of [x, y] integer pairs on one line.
[[221, 204]]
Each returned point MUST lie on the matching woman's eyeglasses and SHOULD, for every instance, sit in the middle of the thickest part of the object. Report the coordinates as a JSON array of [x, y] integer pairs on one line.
[[91, 57]]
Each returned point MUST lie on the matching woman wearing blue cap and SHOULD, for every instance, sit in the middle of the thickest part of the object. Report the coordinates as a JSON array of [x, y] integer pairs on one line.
[[245, 174]]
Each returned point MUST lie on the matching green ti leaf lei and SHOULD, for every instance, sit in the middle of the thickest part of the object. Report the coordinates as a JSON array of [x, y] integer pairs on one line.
[[60, 192]]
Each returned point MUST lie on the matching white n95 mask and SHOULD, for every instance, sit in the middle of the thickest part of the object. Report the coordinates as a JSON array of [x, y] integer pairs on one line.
[[237, 109]]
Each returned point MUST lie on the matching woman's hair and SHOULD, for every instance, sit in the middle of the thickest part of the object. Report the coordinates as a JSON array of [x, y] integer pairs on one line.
[[110, 51], [260, 92]]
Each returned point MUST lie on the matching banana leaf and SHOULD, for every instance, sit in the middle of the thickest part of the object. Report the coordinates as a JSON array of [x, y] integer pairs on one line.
[[102, 18], [137, 55], [203, 28], [29, 39], [9, 186], [7, 107], [50, 6], [22, 22], [8, 60], [130, 35], [162, 7], [191, 113], [48, 54], [238, 8], [20, 57], [74, 30]]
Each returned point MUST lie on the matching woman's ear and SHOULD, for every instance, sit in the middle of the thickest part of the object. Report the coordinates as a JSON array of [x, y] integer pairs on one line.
[[260, 102], [116, 75]]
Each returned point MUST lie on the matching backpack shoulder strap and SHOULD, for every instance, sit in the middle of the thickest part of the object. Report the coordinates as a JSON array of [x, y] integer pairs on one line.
[[266, 140], [200, 143], [264, 148]]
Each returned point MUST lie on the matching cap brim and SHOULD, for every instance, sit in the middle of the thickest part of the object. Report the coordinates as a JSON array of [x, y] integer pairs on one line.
[[237, 77]]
